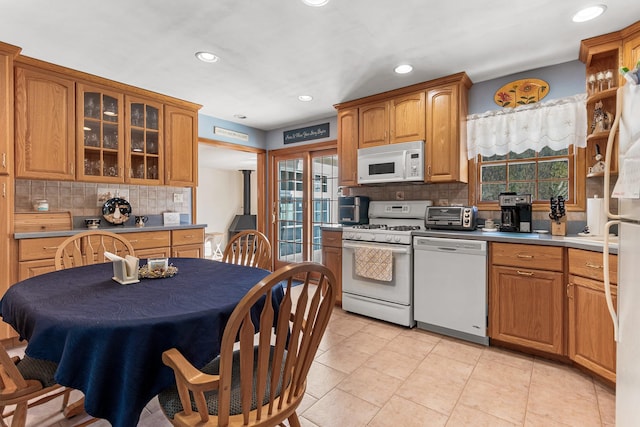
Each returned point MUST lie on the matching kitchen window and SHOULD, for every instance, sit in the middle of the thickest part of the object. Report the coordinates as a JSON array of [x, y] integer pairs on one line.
[[536, 149], [543, 174]]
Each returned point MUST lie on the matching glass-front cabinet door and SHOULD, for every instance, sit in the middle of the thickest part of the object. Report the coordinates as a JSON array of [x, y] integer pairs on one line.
[[144, 141], [100, 134]]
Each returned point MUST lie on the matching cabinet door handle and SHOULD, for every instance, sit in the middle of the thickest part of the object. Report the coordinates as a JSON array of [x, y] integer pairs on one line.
[[429, 170], [72, 168], [4, 190], [524, 256], [569, 287], [4, 160], [590, 265], [524, 273], [47, 248]]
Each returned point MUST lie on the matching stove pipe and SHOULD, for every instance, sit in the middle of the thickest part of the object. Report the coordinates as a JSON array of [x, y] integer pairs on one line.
[[246, 187]]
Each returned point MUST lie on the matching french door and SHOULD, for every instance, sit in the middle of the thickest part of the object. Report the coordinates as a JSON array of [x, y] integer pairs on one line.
[[304, 197]]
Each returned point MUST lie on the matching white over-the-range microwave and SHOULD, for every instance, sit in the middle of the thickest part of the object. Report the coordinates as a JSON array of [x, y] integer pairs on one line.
[[391, 163]]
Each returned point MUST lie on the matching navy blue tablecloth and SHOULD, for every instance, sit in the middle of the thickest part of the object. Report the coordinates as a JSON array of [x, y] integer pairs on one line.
[[108, 338]]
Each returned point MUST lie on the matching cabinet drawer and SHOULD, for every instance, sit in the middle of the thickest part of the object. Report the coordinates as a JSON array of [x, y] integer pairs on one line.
[[28, 269], [528, 256], [153, 253], [148, 239], [187, 237], [30, 249], [589, 264], [332, 238]]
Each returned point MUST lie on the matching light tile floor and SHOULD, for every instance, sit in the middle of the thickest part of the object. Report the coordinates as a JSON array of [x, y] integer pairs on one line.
[[371, 373]]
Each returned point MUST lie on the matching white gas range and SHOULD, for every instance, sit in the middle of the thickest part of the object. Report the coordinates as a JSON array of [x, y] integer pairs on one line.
[[377, 261]]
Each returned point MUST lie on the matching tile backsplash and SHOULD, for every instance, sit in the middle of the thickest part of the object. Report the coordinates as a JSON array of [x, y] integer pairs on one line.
[[81, 198], [458, 193]]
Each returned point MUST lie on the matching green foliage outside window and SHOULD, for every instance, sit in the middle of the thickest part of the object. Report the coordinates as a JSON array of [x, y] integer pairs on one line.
[[543, 174]]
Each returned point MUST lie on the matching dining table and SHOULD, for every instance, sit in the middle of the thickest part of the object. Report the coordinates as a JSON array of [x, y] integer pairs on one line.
[[108, 338]]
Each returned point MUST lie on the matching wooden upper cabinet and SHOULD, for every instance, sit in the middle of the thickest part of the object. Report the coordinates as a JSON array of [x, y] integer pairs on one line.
[[7, 53], [407, 118], [400, 119], [181, 130], [446, 154], [433, 111], [631, 46], [44, 125], [373, 124], [100, 134], [348, 147], [144, 142]]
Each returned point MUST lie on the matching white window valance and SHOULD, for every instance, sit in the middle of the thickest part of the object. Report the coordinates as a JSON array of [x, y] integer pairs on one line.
[[557, 124]]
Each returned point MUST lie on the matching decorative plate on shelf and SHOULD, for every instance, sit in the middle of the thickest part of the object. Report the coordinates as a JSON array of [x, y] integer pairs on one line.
[[521, 92], [116, 211]]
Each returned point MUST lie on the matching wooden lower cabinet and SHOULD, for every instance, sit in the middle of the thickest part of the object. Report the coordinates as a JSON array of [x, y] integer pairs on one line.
[[35, 256], [332, 258], [591, 339], [527, 308], [188, 251], [526, 297], [187, 243]]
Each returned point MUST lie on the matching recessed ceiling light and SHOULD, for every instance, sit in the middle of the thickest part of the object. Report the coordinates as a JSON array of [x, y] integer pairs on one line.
[[206, 56], [240, 116], [403, 69], [305, 98], [589, 13], [315, 3]]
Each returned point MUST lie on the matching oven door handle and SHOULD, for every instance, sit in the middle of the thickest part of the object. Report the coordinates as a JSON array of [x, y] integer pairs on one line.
[[396, 249]]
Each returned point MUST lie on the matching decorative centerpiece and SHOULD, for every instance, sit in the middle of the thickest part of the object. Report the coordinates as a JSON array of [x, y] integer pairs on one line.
[[157, 268]]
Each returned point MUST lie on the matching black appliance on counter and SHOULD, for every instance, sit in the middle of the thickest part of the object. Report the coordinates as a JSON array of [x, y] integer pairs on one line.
[[353, 210], [515, 212], [451, 217]]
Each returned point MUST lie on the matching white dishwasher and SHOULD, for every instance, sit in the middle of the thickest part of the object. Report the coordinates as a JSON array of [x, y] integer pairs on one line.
[[450, 287]]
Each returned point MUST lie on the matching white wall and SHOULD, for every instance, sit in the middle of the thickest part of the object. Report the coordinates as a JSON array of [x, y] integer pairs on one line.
[[219, 198]]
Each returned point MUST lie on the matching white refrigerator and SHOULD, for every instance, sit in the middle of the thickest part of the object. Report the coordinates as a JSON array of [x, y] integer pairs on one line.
[[626, 316]]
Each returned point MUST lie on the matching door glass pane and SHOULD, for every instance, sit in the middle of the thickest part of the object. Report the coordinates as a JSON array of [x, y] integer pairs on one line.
[[290, 205], [324, 201]]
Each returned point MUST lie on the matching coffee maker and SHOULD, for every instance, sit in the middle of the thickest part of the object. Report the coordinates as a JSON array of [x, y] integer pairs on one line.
[[515, 212]]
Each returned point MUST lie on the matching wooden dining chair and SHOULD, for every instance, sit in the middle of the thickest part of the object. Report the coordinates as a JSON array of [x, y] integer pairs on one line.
[[263, 381], [248, 247], [25, 383], [89, 247]]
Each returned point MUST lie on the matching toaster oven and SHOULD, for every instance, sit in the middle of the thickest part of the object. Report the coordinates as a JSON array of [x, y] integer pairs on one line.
[[451, 217]]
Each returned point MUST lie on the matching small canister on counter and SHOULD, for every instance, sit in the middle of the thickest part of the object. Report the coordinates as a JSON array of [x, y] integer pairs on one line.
[[41, 205]]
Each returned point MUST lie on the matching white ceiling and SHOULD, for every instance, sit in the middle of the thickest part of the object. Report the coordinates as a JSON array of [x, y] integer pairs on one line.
[[272, 51]]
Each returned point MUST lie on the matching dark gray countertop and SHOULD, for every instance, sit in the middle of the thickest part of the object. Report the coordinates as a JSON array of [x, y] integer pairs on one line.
[[572, 241], [112, 228]]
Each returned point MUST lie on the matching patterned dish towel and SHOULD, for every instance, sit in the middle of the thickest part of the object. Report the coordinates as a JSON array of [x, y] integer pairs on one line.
[[374, 263]]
